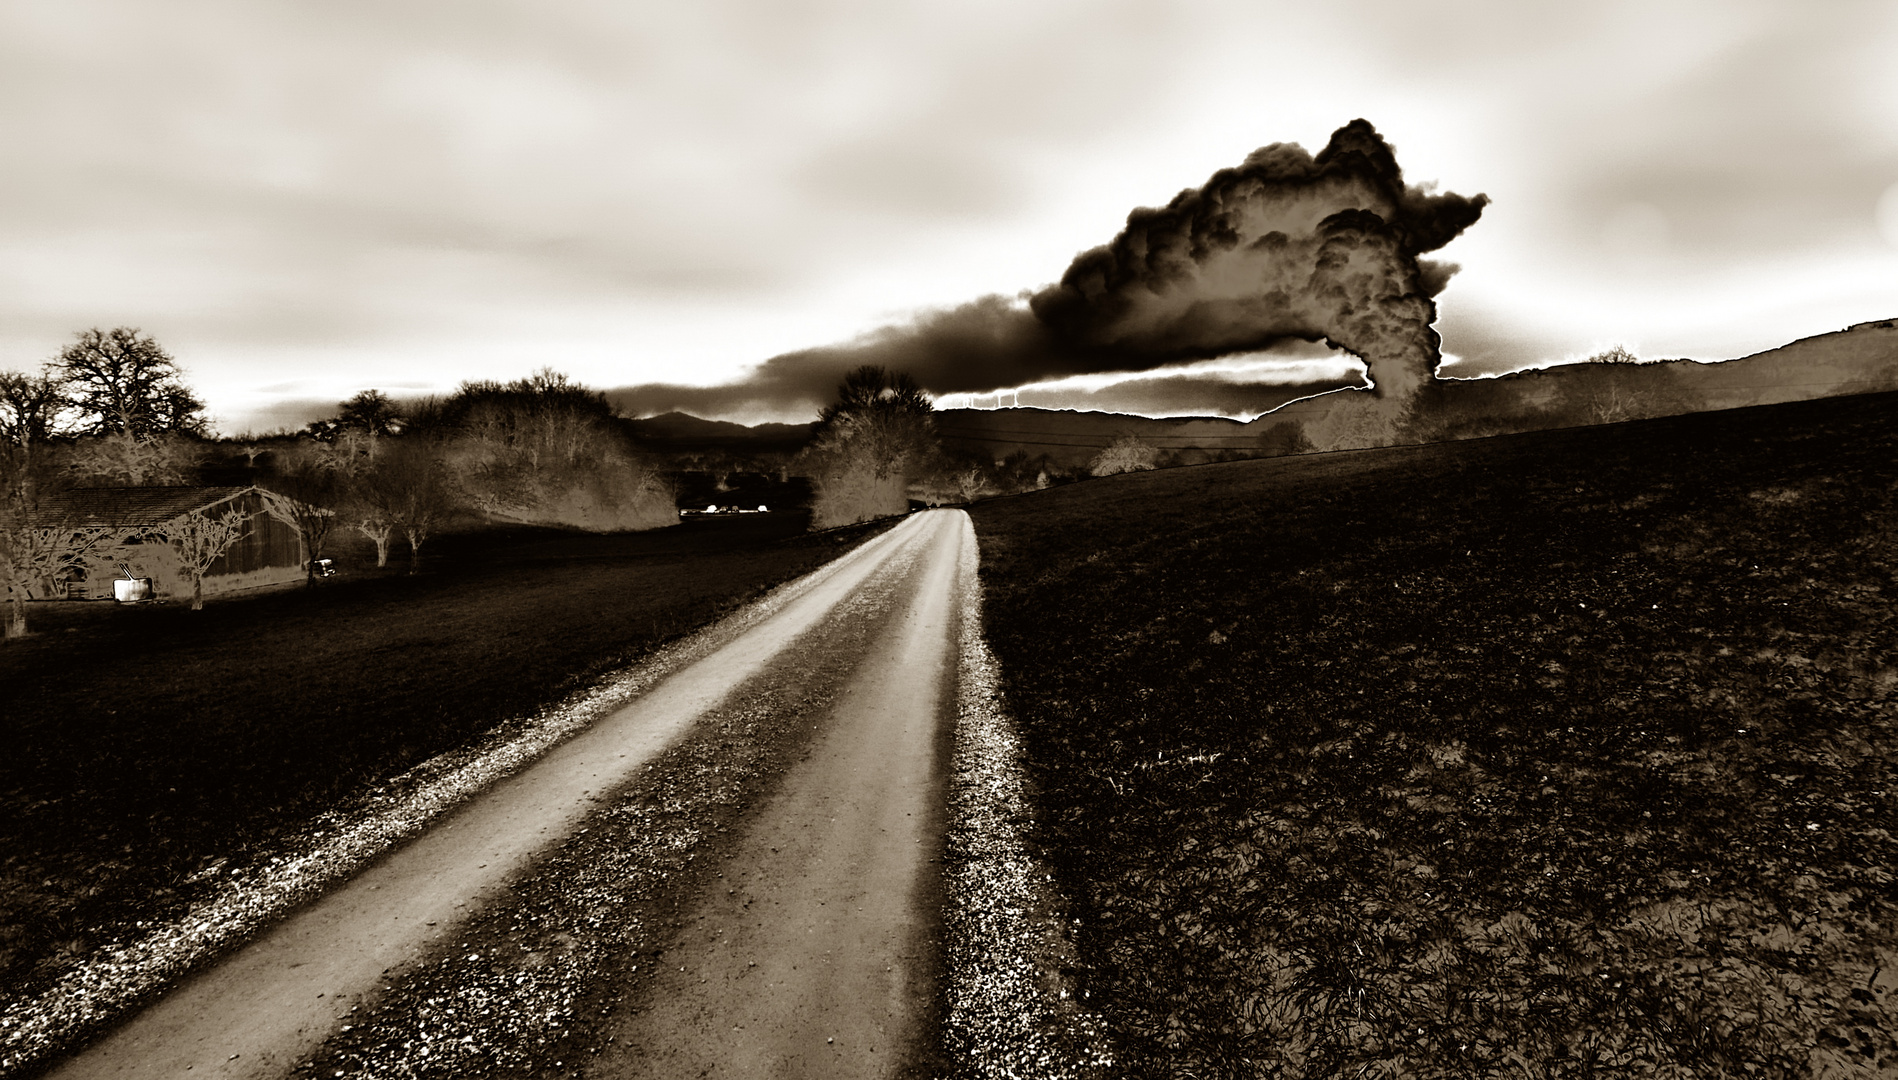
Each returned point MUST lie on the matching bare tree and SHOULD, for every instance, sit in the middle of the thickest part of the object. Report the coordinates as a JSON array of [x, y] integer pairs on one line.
[[378, 528], [1125, 454], [200, 539], [30, 406], [37, 544], [122, 459], [880, 427], [1610, 404], [120, 380], [370, 412], [369, 510], [15, 562], [409, 486], [312, 489], [970, 483]]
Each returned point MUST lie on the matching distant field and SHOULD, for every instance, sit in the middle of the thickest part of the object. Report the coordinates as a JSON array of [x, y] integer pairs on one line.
[[145, 743], [1564, 754]]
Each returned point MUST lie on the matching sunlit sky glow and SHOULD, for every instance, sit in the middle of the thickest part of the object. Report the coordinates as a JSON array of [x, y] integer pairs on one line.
[[303, 200]]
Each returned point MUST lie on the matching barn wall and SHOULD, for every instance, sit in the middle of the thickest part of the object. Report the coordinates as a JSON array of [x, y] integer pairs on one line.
[[268, 545], [153, 559], [269, 553]]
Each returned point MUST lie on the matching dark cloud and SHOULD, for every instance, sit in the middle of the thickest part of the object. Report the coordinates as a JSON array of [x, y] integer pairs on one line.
[[1288, 245], [986, 344]]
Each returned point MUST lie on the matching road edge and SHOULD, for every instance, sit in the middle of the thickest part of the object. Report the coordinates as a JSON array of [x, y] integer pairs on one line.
[[127, 976], [1012, 1008]]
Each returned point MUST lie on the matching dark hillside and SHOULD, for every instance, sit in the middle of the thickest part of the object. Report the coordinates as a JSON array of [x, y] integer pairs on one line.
[[1559, 754], [150, 748], [676, 432]]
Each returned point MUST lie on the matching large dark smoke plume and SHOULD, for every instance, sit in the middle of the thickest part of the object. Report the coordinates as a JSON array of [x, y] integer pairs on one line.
[[1321, 247]]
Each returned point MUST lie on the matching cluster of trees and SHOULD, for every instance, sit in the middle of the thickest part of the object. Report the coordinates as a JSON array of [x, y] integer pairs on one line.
[[375, 486], [113, 410], [112, 407], [107, 382], [868, 445], [878, 441], [541, 449], [964, 476], [547, 449]]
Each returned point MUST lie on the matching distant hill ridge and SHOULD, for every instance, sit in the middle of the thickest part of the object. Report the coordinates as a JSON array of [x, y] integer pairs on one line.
[[683, 431], [1862, 358]]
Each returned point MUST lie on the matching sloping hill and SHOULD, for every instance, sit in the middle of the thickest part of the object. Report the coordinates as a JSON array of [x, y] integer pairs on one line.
[[1071, 439], [1860, 359], [682, 432], [1566, 753]]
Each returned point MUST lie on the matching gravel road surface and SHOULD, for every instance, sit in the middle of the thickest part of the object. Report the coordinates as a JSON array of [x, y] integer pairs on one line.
[[820, 956], [816, 952]]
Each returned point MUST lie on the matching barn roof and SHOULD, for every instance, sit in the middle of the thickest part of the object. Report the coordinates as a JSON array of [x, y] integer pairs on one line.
[[130, 507]]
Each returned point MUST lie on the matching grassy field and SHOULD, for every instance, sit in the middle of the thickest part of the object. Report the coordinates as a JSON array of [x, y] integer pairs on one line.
[[1567, 754], [148, 745]]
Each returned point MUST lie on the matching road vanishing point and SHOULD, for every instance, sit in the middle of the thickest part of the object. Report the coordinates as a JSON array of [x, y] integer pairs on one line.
[[829, 912]]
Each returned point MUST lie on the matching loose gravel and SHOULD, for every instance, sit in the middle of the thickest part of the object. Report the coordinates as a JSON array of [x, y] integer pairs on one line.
[[1013, 1011], [523, 987], [127, 974], [527, 986]]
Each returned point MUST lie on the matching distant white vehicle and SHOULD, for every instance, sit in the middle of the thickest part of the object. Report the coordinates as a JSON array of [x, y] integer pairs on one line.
[[712, 509], [762, 509]]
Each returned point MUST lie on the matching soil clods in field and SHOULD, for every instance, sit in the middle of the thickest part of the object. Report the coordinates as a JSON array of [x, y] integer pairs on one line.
[[1562, 754]]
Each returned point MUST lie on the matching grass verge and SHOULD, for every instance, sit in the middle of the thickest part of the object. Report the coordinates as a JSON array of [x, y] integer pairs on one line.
[[1563, 754], [153, 749]]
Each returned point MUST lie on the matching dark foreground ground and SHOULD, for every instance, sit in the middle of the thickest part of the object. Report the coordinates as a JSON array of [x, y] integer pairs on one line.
[[1567, 754], [151, 749]]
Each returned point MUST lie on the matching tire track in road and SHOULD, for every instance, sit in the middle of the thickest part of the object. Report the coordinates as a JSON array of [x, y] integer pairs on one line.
[[260, 1011], [820, 956]]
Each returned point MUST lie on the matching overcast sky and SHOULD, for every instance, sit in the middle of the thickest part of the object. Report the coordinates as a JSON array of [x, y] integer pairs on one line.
[[302, 200]]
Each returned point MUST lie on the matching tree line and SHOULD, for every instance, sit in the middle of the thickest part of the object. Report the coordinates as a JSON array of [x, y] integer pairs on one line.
[[543, 449], [113, 410]]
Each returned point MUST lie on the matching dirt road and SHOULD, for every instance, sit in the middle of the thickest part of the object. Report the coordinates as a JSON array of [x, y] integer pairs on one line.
[[816, 957]]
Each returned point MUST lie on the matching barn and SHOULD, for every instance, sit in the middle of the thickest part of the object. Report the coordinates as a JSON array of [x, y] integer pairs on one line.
[[135, 518]]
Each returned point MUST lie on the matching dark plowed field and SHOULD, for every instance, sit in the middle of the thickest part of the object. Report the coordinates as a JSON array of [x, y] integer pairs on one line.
[[152, 749], [1566, 754]]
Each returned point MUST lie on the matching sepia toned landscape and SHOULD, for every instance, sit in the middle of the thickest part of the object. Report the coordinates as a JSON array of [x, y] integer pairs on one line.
[[1081, 541], [1565, 754], [1569, 747]]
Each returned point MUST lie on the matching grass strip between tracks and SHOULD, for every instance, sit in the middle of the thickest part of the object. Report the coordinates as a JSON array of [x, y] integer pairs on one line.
[[1564, 754]]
